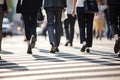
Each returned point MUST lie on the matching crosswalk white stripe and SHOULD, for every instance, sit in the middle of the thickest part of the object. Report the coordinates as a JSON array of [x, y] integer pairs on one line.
[[59, 70], [64, 75]]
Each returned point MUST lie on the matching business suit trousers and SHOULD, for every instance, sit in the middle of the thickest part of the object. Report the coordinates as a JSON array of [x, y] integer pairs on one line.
[[85, 21], [54, 25], [69, 24], [1, 20], [30, 22]]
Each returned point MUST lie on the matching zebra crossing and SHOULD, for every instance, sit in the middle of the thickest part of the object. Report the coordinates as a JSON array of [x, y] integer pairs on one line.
[[68, 64]]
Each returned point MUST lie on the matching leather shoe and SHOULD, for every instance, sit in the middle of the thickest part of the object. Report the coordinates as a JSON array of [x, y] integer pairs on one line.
[[29, 51], [32, 42], [66, 44], [117, 46], [53, 50], [88, 50], [83, 48]]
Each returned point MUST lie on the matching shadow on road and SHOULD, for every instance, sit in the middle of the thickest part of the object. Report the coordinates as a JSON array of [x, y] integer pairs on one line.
[[12, 66]]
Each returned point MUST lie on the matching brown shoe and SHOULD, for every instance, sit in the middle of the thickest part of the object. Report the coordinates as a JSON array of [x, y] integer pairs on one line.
[[53, 50]]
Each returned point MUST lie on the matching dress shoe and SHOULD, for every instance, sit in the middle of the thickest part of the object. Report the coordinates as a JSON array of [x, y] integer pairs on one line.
[[83, 48], [29, 51], [53, 50], [117, 46], [88, 50], [66, 44], [32, 42]]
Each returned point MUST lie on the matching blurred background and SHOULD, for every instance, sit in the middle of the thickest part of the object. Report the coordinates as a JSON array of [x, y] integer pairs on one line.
[[12, 23]]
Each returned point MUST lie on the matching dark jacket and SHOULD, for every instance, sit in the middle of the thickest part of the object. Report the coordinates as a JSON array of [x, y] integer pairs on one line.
[[31, 6], [113, 2], [54, 3]]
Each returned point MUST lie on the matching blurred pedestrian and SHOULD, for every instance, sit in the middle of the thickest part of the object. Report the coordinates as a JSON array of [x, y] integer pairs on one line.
[[109, 31], [85, 21], [99, 19], [29, 9], [69, 23], [3, 9], [54, 11], [114, 17]]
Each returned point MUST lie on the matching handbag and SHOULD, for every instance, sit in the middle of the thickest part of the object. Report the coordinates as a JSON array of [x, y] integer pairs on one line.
[[19, 7], [5, 7], [90, 6], [40, 16]]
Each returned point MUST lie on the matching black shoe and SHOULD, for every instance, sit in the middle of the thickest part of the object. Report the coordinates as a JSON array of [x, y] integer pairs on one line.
[[29, 51], [88, 50], [83, 48], [32, 42], [53, 50], [66, 44], [117, 46], [119, 55]]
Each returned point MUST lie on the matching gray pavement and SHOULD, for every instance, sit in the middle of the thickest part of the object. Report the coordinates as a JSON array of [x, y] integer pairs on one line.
[[68, 64]]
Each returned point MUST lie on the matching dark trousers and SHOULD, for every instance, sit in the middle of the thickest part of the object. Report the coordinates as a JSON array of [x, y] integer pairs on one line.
[[69, 24], [30, 25], [85, 21], [54, 24], [109, 31], [114, 16]]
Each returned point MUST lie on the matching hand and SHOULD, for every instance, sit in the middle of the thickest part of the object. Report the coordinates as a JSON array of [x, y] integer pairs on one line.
[[96, 13], [73, 13]]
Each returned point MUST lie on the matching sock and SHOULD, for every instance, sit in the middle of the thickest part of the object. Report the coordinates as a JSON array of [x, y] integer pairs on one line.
[[84, 43]]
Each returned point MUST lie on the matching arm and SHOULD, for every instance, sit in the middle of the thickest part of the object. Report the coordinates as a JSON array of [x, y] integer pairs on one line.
[[74, 6]]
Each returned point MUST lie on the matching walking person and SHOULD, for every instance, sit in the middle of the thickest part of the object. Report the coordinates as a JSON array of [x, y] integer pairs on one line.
[[54, 11], [99, 19], [69, 23], [114, 17], [29, 9], [3, 9], [85, 21], [109, 31]]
